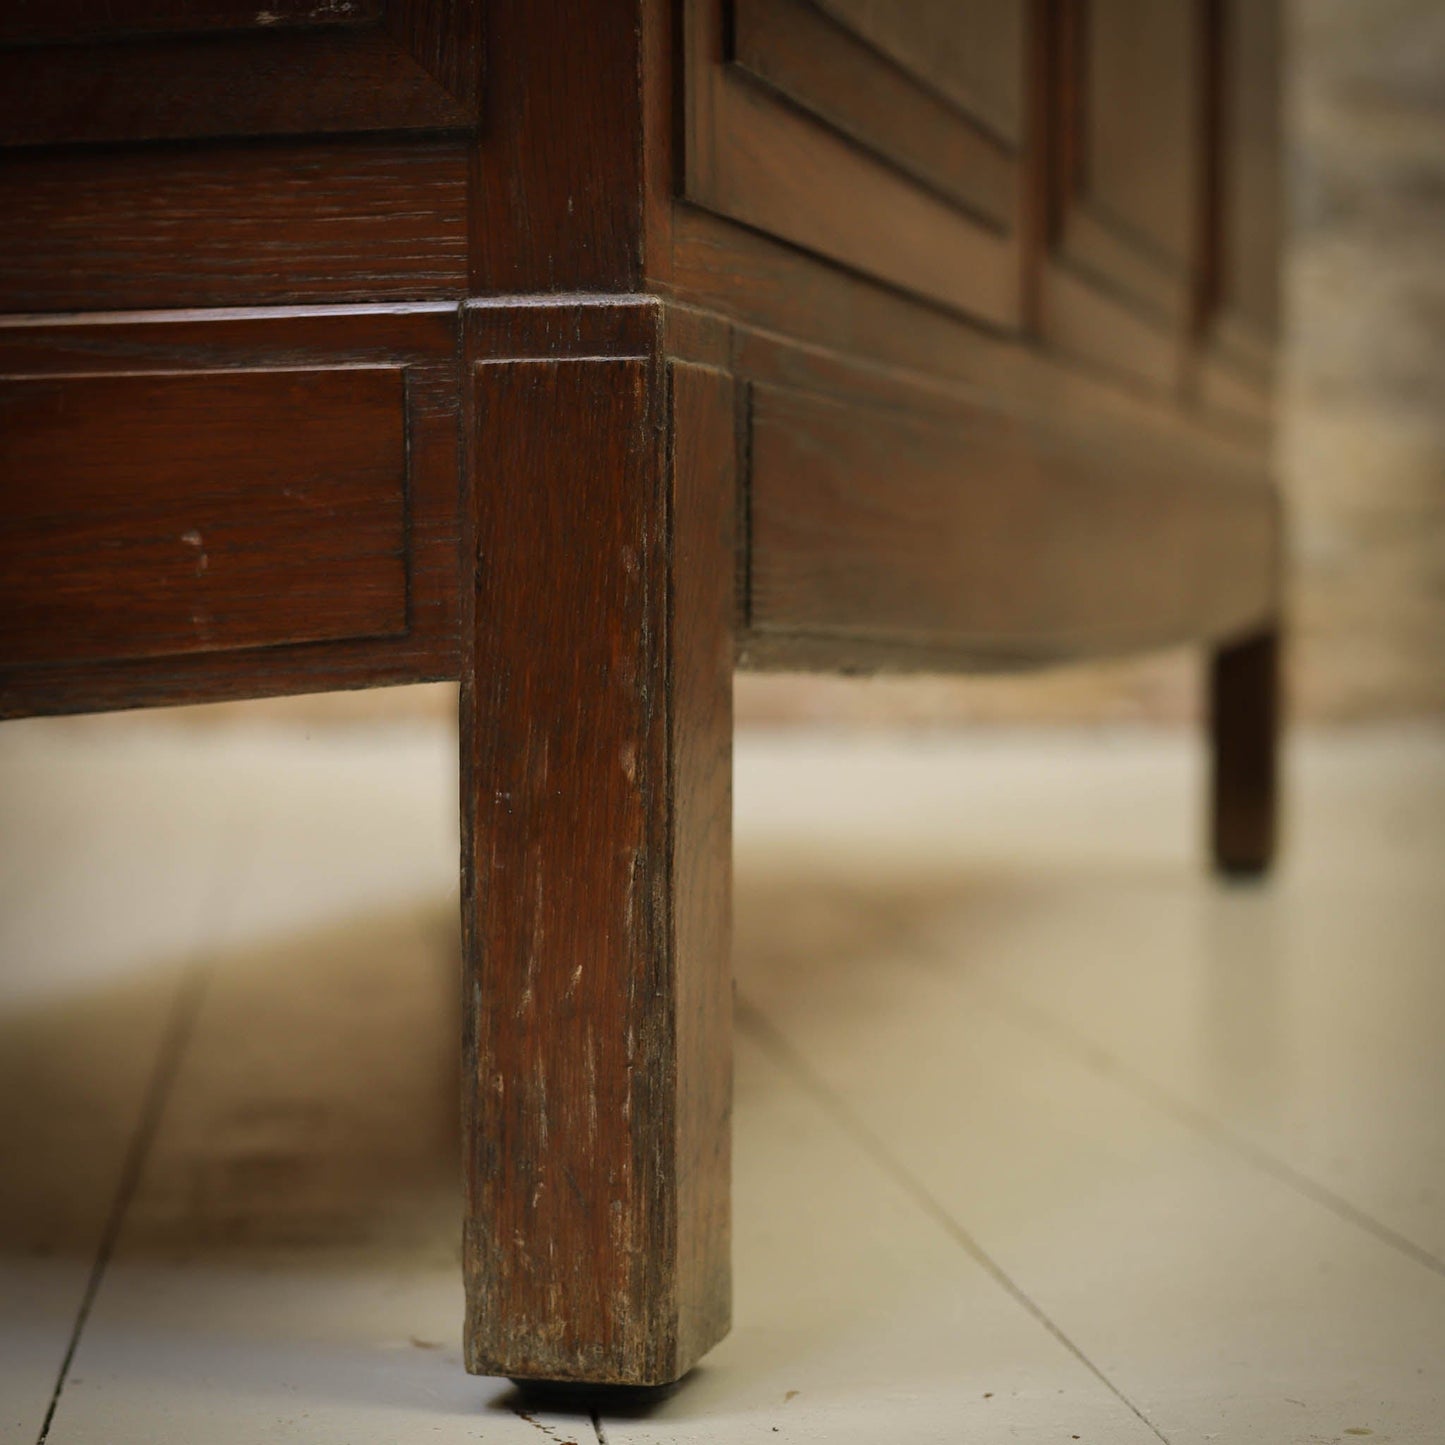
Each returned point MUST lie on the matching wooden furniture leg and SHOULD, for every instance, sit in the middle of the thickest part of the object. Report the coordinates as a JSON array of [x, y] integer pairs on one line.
[[1244, 722], [596, 803]]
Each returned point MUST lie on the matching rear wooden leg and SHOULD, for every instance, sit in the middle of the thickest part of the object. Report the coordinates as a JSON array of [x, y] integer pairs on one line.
[[596, 803], [1244, 726]]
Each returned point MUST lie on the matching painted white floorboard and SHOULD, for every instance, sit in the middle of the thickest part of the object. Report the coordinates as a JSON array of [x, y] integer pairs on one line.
[[1224, 1301], [72, 1083], [1304, 1018], [110, 875], [859, 1319], [995, 1019]]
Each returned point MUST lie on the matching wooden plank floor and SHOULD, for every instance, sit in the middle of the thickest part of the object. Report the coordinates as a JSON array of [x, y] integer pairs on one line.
[[1040, 1134]]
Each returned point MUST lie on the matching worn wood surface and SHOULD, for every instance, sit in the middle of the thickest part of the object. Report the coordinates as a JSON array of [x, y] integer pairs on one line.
[[596, 736], [314, 453], [70, 21], [131, 532], [1244, 728], [853, 334]]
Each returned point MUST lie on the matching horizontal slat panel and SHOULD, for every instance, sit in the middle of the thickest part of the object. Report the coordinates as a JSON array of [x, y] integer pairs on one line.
[[232, 225], [884, 537], [148, 516]]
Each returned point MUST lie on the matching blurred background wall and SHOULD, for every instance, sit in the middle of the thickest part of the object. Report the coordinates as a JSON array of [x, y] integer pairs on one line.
[[1362, 436]]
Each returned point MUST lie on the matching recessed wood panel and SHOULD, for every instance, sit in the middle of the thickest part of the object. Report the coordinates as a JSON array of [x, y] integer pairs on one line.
[[964, 50], [833, 73], [1140, 121], [147, 516], [1239, 307], [797, 126], [169, 69], [1125, 170], [333, 428]]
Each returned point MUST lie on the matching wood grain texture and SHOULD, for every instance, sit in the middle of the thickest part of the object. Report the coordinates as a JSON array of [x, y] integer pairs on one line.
[[975, 540], [232, 225], [737, 374], [808, 317], [826, 70], [596, 736], [1244, 728], [758, 161], [559, 200], [146, 516], [407, 64], [271, 426]]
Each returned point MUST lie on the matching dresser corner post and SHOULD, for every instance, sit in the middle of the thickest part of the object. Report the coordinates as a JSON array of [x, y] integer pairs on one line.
[[1244, 734], [596, 760]]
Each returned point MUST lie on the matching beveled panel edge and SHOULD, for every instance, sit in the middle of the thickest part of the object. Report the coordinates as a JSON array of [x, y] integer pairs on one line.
[[423, 342]]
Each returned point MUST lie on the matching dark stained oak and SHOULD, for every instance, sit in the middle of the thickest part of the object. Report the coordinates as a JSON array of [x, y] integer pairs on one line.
[[824, 68], [559, 194], [157, 71], [161, 227], [323, 485], [583, 350], [70, 21], [596, 740], [971, 540], [131, 532], [1124, 138]]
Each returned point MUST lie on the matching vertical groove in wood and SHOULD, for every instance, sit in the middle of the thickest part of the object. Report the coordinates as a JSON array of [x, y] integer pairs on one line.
[[1244, 725], [596, 739]]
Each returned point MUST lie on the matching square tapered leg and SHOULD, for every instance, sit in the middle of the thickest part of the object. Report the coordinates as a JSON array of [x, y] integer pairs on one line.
[[596, 805], [1244, 727]]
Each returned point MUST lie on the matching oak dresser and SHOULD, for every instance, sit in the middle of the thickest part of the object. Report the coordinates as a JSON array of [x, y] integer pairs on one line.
[[584, 350]]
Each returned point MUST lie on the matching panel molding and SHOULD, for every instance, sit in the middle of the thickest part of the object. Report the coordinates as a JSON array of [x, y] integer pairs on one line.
[[1109, 294], [405, 632], [822, 68], [810, 169], [1239, 284], [408, 65], [158, 513]]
